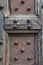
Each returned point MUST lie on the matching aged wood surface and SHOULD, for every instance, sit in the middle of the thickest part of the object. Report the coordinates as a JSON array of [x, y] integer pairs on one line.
[[21, 21]]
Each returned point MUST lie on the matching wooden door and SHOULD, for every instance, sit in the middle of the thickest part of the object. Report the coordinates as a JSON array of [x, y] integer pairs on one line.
[[22, 49], [21, 6]]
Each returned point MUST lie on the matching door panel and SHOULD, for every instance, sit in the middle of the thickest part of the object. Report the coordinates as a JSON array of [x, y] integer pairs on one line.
[[22, 6], [22, 49]]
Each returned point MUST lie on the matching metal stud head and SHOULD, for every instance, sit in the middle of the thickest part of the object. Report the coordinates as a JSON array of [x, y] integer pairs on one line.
[[15, 21], [16, 58], [1, 41], [6, 15], [29, 58], [1, 7], [28, 21], [42, 6], [28, 9], [0, 58], [28, 43], [15, 26], [28, 26], [15, 43], [22, 50], [16, 9], [22, 2]]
